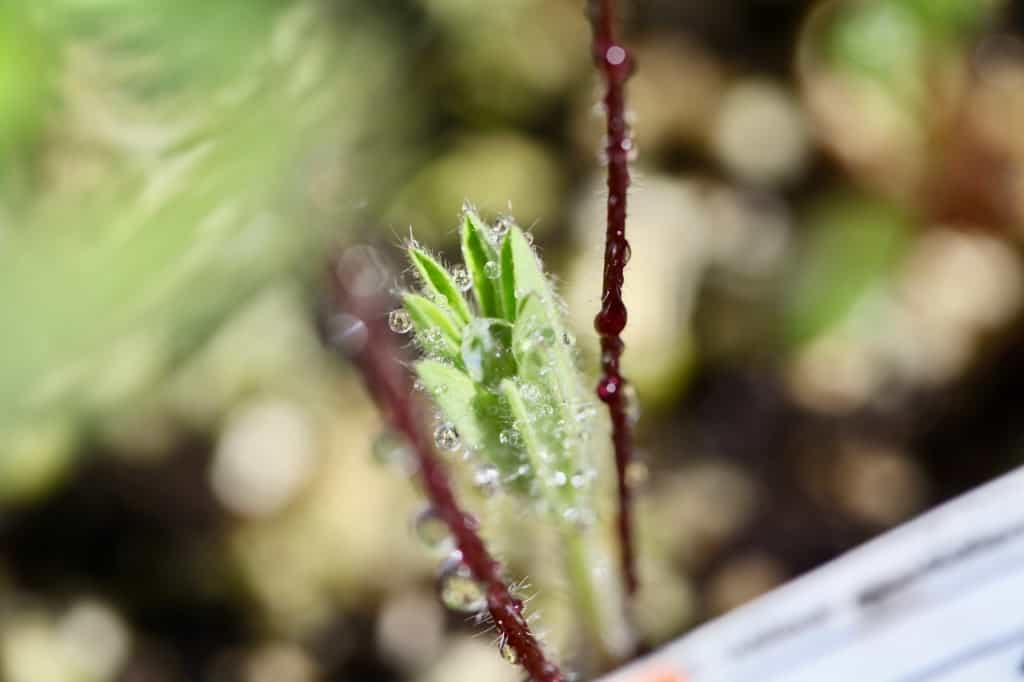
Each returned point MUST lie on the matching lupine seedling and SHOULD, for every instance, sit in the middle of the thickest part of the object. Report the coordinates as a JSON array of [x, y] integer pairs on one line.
[[501, 366]]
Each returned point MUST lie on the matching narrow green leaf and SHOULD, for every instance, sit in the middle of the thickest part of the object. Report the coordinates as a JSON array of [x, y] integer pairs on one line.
[[435, 329], [544, 359], [558, 493], [508, 279], [454, 392], [438, 281], [487, 351], [526, 274], [477, 251], [479, 415]]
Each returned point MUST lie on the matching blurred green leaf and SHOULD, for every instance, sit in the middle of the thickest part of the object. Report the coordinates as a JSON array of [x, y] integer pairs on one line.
[[854, 243]]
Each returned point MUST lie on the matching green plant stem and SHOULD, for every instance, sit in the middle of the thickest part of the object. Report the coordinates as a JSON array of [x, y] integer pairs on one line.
[[605, 623]]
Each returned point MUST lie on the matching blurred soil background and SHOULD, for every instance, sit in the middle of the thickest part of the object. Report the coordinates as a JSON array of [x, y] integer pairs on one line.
[[826, 332]]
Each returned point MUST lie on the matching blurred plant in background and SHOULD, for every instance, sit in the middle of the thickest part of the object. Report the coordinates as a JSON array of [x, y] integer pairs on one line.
[[825, 298]]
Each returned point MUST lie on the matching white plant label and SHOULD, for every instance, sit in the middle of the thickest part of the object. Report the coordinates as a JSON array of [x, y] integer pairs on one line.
[[940, 599]]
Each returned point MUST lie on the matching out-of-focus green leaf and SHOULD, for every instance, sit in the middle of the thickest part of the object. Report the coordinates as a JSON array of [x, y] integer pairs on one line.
[[854, 243]]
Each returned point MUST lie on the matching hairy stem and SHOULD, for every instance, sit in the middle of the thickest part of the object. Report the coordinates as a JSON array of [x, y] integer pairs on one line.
[[366, 339], [614, 63]]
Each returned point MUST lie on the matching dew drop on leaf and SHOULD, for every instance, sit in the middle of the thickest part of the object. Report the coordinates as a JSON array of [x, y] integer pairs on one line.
[[432, 531], [544, 337], [459, 590], [487, 480], [399, 321], [530, 392], [509, 437], [580, 517], [462, 279], [446, 437], [585, 412], [501, 227], [492, 269]]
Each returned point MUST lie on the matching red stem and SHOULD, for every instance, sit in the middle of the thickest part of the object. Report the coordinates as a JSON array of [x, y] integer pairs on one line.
[[371, 347], [614, 63]]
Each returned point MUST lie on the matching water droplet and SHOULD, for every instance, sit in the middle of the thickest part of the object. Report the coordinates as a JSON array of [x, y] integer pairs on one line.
[[399, 321], [389, 448], [611, 320], [581, 518], [459, 590], [559, 479], [578, 480], [636, 473], [462, 279], [491, 269], [530, 392], [615, 55], [432, 531], [507, 652], [501, 227], [544, 337], [348, 333], [487, 480], [585, 412], [446, 437], [608, 388], [509, 437], [485, 351]]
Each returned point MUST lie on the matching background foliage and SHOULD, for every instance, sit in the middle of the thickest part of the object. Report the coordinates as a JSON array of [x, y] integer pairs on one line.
[[825, 294]]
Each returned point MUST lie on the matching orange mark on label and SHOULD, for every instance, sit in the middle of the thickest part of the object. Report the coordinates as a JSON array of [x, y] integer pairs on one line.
[[662, 675]]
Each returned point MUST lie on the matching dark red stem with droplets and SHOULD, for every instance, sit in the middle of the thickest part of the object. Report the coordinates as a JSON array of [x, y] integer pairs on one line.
[[614, 63], [374, 352]]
